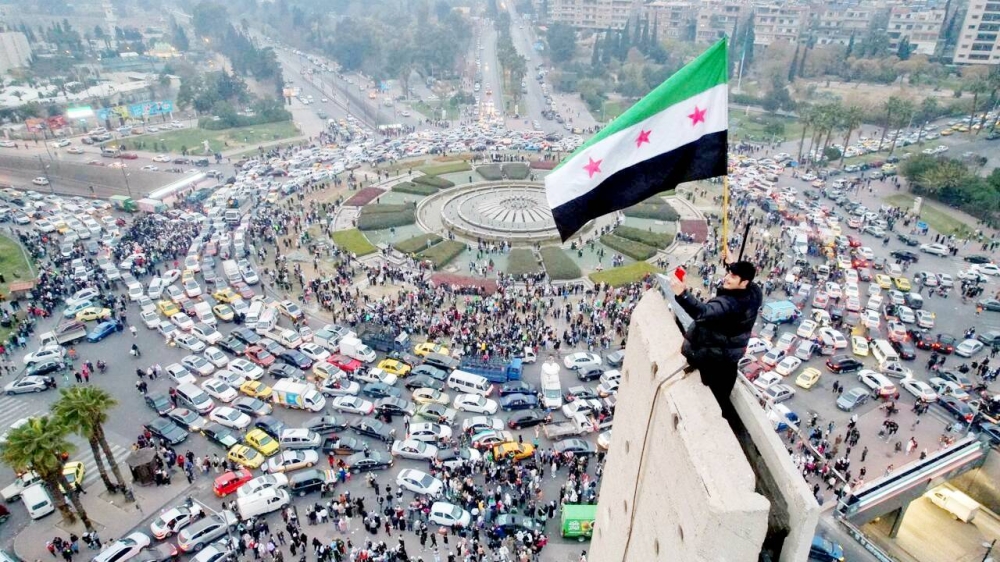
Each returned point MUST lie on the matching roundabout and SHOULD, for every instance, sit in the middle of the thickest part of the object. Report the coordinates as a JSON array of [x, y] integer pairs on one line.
[[511, 211]]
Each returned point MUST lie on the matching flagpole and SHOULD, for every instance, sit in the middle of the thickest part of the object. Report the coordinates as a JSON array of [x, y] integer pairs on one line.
[[725, 216]]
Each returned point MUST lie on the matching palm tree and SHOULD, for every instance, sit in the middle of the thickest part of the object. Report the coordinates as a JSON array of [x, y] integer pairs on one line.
[[806, 117], [85, 408], [977, 85], [850, 120], [891, 105], [39, 445], [904, 112]]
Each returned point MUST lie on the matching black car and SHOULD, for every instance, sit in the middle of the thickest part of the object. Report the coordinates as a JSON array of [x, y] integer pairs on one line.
[[254, 407], [325, 425], [843, 364], [221, 435], [270, 425], [905, 255], [956, 377], [295, 358], [510, 524], [958, 409], [515, 387], [990, 338], [380, 390], [519, 402], [422, 381], [304, 482], [370, 460], [371, 427], [159, 402], [246, 335], [993, 305], [43, 368], [431, 371], [579, 393], [394, 406], [166, 430], [908, 240], [575, 446], [589, 374], [345, 445], [905, 349], [527, 418], [232, 345], [285, 371], [944, 344], [977, 259], [920, 338]]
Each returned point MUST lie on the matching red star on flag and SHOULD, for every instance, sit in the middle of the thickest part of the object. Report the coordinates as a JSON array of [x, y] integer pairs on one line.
[[593, 167], [643, 137], [698, 116]]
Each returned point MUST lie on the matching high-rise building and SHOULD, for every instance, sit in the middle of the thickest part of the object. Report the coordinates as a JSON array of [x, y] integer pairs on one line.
[[716, 18], [14, 51], [979, 37], [778, 22], [593, 14], [673, 18], [921, 27], [833, 24]]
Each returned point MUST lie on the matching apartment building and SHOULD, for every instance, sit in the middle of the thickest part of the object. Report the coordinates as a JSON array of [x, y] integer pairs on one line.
[[833, 24], [779, 22], [921, 27], [14, 51], [716, 18], [593, 14], [979, 37], [673, 18]]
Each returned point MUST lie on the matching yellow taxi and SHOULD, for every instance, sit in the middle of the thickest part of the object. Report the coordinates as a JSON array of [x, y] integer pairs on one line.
[[167, 308], [323, 370], [224, 312], [245, 456], [93, 313], [256, 389], [947, 132], [961, 128], [74, 472], [902, 283], [883, 280], [519, 451], [859, 345], [430, 396], [808, 377], [225, 295], [187, 275], [425, 349], [395, 367], [261, 441]]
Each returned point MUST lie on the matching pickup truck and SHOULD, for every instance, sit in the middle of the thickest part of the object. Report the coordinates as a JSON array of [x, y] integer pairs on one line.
[[67, 332], [13, 492], [496, 371], [579, 424], [382, 338]]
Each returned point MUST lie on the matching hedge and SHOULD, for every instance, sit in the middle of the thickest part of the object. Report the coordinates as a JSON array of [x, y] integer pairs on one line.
[[415, 189], [363, 197], [353, 241], [618, 276], [635, 250], [386, 208], [446, 168], [442, 253], [516, 171], [648, 209], [490, 172], [522, 262], [417, 243], [384, 217], [434, 181], [656, 239], [544, 164], [558, 265]]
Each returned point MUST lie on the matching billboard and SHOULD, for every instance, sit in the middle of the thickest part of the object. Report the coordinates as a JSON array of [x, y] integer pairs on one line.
[[136, 110], [79, 112]]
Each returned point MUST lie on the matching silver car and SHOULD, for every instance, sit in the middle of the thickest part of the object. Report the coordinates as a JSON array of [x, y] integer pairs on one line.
[[123, 549], [195, 537]]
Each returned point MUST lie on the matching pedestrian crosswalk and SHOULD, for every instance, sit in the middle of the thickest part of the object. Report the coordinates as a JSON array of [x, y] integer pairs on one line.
[[15, 408], [91, 475]]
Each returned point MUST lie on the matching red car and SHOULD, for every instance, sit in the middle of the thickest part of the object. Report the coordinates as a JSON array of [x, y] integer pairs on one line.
[[854, 241], [230, 481], [243, 289], [260, 356], [345, 363], [128, 156]]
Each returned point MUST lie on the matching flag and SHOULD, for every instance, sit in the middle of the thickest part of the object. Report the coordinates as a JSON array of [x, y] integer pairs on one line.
[[675, 134]]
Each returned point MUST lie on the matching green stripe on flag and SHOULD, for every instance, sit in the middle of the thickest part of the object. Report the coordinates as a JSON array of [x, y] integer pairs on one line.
[[703, 73]]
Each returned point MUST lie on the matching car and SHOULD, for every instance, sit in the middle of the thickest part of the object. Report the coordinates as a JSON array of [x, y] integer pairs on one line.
[[513, 450], [124, 548], [575, 446], [92, 313], [843, 364], [259, 356], [230, 417], [904, 348], [29, 384], [429, 432], [188, 419], [587, 374], [435, 412], [808, 378], [787, 366], [919, 389], [777, 393], [825, 550], [413, 449], [859, 346], [978, 259], [758, 345], [296, 359], [353, 405], [368, 460], [174, 519], [166, 430], [446, 514], [582, 359], [805, 330], [990, 338], [245, 456], [419, 482], [221, 435], [288, 461], [198, 364], [519, 402], [957, 408], [852, 398], [371, 427], [925, 319], [956, 377], [936, 249], [475, 403], [200, 534], [877, 382], [189, 342], [773, 357], [380, 390], [159, 402], [345, 363], [992, 305], [345, 445], [395, 367], [291, 310], [430, 395], [515, 387], [245, 369], [48, 367], [261, 483], [968, 348]]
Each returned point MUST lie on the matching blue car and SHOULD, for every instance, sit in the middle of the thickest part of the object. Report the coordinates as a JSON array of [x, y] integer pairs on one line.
[[103, 330], [825, 550], [519, 401]]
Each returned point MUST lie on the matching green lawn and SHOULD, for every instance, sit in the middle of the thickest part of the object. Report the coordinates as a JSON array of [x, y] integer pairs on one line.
[[445, 168], [935, 217], [13, 265], [353, 241], [192, 139], [624, 275], [611, 109], [751, 127], [434, 111]]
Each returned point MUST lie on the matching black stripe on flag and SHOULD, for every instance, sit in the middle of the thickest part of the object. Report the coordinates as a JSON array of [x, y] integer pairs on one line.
[[701, 159]]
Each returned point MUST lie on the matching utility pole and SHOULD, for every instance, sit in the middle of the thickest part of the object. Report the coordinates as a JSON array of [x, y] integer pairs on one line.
[[229, 528], [45, 172]]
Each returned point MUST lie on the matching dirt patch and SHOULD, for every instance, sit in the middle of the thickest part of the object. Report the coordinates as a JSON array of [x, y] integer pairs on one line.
[[488, 285], [876, 92]]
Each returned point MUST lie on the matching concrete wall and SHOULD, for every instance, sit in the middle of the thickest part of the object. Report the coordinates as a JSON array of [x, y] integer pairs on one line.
[[982, 483], [677, 485]]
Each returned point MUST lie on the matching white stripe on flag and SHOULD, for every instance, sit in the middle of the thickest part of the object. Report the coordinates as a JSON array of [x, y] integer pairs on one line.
[[671, 129]]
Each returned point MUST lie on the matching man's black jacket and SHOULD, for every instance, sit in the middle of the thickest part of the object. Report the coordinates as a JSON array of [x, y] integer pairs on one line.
[[722, 326]]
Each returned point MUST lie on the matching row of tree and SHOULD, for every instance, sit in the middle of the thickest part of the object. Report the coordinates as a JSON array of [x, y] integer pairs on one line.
[[956, 184], [211, 22]]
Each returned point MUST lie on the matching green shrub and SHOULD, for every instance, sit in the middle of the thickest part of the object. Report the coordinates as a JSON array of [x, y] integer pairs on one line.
[[522, 262], [442, 253], [490, 172], [516, 171], [618, 276], [379, 221], [558, 265], [415, 189], [446, 168], [417, 243], [656, 239], [635, 250], [434, 181], [657, 209], [386, 208], [353, 241]]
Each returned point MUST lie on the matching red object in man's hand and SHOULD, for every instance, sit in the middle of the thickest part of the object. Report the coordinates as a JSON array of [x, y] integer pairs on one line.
[[680, 273]]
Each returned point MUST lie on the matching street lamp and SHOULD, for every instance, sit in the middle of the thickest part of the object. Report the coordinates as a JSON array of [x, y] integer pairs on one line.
[[45, 173], [125, 175], [989, 548], [229, 528]]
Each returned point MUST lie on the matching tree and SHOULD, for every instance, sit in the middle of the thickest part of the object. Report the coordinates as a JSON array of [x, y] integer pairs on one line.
[[850, 119], [180, 39], [40, 445], [904, 113], [562, 42], [791, 68], [905, 49], [749, 37], [595, 56], [85, 409], [891, 106], [850, 47]]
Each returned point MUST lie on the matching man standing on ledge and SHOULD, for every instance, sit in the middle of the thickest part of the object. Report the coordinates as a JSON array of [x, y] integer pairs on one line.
[[718, 337]]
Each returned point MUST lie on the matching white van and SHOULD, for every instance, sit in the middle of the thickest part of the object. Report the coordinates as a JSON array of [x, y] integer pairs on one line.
[[194, 398], [253, 315], [37, 501], [267, 320], [959, 505], [801, 244], [262, 502], [883, 352], [469, 383]]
